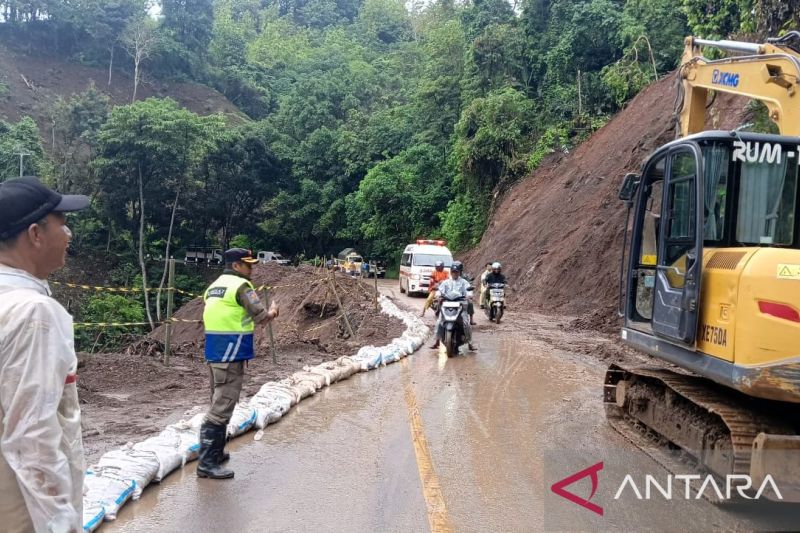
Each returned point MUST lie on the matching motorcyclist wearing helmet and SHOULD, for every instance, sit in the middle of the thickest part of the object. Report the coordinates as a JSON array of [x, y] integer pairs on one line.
[[439, 275], [495, 276], [453, 288]]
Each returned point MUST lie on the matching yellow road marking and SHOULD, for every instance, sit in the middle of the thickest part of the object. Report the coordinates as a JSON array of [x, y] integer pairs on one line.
[[431, 488]]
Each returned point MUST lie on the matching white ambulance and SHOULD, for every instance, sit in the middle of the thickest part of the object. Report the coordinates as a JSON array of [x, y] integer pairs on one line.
[[418, 262]]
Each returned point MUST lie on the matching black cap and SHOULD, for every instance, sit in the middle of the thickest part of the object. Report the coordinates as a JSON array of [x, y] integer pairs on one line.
[[24, 201], [239, 254]]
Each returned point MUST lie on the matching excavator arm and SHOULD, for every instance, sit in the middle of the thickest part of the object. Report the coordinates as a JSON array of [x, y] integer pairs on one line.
[[767, 72]]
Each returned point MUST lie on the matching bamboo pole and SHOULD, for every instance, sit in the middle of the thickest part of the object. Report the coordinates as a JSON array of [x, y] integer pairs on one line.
[[344, 311], [170, 303], [269, 326], [374, 266]]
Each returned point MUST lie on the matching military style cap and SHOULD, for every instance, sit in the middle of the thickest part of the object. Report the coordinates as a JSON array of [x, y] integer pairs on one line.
[[239, 254]]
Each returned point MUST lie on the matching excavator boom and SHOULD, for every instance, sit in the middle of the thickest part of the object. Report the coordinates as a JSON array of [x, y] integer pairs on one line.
[[767, 72]]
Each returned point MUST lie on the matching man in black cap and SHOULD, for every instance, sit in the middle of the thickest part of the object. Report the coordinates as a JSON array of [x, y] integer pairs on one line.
[[231, 312], [41, 464]]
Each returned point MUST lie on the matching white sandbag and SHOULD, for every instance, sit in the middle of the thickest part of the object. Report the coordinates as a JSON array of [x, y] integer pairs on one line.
[[167, 448], [330, 370], [270, 406], [390, 354], [242, 420], [348, 366], [318, 380], [304, 389], [196, 421], [93, 513], [273, 388], [127, 463], [107, 490], [189, 439], [264, 415], [369, 357]]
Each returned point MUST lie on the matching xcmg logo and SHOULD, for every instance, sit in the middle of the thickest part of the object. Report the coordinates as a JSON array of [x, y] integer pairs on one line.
[[728, 79], [670, 487]]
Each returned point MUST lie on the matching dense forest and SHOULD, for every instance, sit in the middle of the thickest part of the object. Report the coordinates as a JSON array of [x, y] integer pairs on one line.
[[364, 122]]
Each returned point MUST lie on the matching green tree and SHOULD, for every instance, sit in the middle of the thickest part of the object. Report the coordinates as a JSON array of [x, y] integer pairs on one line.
[[147, 153], [399, 198], [492, 139], [22, 138], [717, 19]]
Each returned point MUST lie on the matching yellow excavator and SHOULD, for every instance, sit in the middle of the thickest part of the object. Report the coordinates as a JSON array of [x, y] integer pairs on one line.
[[710, 276]]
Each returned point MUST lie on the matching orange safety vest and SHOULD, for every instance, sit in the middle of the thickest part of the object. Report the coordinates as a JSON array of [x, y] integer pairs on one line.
[[438, 277]]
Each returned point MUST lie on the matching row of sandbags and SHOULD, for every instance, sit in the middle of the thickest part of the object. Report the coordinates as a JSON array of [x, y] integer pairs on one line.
[[123, 474]]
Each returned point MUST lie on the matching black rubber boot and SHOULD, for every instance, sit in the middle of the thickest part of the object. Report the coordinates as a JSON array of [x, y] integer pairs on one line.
[[212, 441]]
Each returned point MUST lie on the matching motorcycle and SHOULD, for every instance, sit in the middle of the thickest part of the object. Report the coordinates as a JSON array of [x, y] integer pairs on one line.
[[496, 305], [453, 335]]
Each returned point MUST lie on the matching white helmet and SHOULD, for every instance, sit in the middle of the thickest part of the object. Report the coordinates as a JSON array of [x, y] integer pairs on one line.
[[496, 266]]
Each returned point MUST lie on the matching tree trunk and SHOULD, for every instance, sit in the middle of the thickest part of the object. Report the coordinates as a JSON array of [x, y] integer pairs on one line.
[[141, 251], [111, 63], [166, 254], [135, 78]]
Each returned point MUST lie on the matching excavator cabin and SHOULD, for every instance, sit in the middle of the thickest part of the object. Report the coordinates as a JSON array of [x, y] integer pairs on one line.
[[714, 263]]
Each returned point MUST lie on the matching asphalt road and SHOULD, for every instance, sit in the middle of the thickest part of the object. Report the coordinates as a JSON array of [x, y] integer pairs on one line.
[[472, 443]]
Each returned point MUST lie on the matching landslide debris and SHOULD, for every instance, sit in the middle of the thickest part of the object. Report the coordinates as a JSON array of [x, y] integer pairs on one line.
[[127, 395], [559, 231]]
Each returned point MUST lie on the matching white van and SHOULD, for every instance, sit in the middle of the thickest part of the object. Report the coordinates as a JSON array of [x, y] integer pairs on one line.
[[271, 257], [418, 262]]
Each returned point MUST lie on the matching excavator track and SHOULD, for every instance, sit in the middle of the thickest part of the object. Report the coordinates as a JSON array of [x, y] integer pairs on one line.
[[680, 419]]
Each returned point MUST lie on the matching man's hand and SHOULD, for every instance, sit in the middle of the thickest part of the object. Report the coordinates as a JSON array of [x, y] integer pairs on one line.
[[273, 311]]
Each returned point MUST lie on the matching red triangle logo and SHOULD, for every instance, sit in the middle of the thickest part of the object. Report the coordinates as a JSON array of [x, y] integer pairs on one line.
[[592, 471]]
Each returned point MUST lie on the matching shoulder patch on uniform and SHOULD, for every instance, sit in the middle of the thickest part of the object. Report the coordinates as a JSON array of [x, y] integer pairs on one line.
[[217, 292], [252, 297]]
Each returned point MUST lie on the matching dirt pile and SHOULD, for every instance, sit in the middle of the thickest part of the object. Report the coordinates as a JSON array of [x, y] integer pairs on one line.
[[559, 232], [309, 315], [128, 395]]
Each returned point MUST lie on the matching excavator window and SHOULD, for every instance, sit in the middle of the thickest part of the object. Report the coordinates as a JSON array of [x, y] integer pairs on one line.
[[716, 166], [680, 206], [652, 191], [767, 202]]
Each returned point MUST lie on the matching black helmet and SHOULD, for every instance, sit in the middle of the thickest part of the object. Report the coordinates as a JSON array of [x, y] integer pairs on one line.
[[457, 267], [439, 264]]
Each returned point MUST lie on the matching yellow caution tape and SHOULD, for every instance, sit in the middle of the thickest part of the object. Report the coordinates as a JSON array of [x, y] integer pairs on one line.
[[130, 324], [120, 289]]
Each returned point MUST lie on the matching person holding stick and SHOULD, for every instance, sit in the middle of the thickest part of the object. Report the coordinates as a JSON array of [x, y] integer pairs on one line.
[[232, 310]]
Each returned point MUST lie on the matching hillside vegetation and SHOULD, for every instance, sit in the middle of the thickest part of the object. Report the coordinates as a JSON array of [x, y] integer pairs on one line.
[[359, 122]]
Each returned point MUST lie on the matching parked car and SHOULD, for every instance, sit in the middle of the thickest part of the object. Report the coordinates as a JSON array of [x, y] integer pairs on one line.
[[271, 257]]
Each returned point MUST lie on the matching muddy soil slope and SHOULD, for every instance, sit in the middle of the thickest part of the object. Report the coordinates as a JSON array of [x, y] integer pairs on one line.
[[559, 231], [35, 84]]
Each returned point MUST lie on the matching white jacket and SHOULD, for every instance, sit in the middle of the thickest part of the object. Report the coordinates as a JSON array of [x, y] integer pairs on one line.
[[40, 428]]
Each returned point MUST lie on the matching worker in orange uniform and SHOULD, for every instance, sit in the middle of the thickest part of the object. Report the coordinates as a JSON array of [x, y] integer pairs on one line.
[[438, 276]]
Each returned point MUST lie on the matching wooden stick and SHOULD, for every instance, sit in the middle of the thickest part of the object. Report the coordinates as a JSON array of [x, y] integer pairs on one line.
[[344, 311], [269, 326]]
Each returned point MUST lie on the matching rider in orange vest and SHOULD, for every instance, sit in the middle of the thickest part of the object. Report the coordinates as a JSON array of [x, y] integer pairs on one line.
[[438, 276]]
